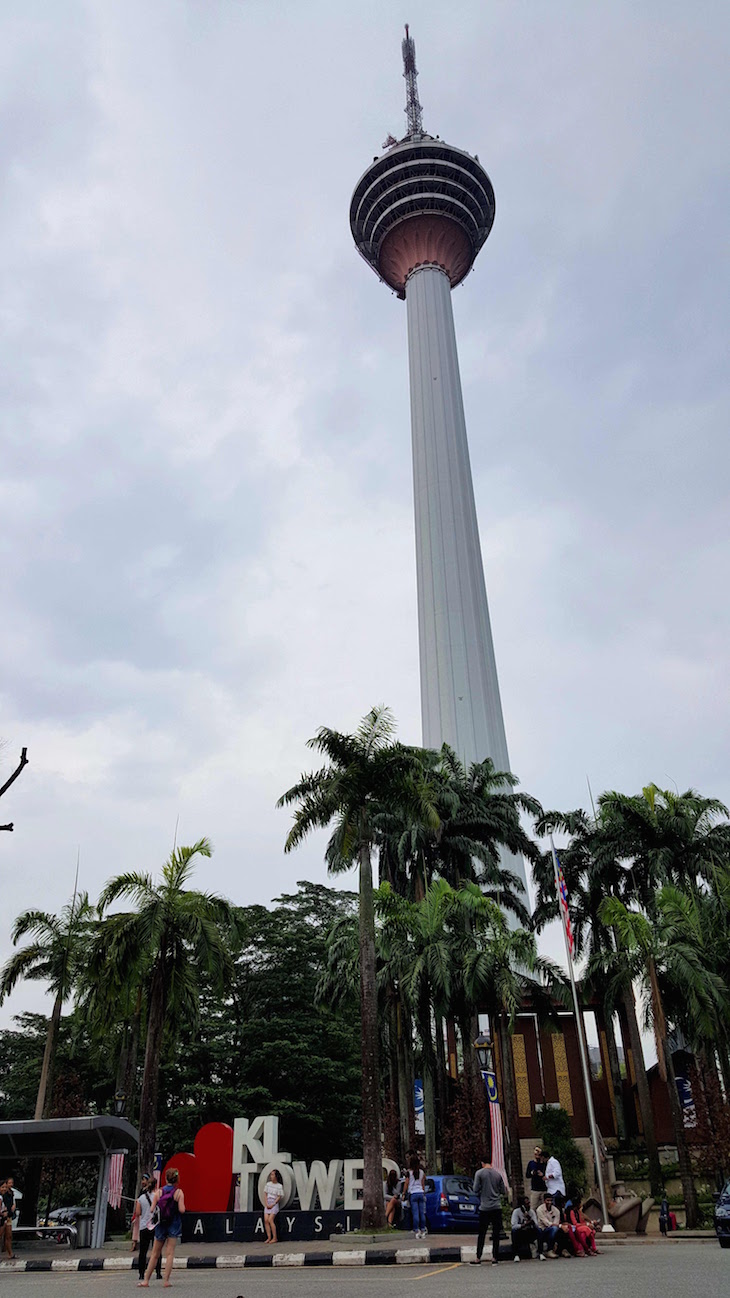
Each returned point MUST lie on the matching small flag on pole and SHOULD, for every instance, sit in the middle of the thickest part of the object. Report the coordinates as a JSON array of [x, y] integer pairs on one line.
[[563, 900], [116, 1168]]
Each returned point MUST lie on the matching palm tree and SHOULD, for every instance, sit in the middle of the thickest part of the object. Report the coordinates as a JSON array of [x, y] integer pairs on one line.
[[655, 952], [368, 777], [592, 872], [175, 933], [51, 957]]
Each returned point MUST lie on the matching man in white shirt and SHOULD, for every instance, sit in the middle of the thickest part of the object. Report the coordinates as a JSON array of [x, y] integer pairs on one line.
[[554, 1179]]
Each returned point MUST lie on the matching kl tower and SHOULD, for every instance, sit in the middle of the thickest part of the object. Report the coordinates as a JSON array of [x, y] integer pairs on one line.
[[419, 216]]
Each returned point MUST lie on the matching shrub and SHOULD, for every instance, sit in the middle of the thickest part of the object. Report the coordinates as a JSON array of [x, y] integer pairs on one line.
[[553, 1126]]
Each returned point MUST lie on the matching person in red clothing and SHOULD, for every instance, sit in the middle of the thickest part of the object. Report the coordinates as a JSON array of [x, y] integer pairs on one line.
[[583, 1229]]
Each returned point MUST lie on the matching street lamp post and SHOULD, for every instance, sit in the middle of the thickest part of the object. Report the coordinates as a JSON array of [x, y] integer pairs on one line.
[[120, 1104], [485, 1053]]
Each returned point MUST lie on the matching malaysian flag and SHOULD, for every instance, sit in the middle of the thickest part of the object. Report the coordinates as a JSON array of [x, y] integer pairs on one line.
[[116, 1168], [495, 1122], [562, 899]]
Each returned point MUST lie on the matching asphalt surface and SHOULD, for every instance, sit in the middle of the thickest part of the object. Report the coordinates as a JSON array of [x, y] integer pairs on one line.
[[669, 1272]]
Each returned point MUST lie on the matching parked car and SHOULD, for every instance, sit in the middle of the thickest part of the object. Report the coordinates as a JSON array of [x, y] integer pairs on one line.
[[721, 1216], [450, 1204]]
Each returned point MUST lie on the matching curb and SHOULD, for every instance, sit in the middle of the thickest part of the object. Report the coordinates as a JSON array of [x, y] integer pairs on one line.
[[244, 1261], [323, 1257]]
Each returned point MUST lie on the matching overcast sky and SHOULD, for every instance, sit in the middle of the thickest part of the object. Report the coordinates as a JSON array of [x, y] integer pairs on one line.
[[206, 520]]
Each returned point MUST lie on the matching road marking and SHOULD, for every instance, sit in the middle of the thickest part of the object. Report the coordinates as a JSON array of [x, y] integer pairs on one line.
[[449, 1267]]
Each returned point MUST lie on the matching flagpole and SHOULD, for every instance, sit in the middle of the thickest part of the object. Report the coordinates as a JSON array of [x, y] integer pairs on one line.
[[607, 1227]]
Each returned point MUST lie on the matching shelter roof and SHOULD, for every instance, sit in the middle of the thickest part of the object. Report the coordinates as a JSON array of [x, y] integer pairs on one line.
[[67, 1137]]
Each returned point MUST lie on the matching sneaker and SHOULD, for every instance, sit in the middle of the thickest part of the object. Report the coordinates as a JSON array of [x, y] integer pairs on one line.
[[541, 1257], [476, 1261], [495, 1261], [515, 1258]]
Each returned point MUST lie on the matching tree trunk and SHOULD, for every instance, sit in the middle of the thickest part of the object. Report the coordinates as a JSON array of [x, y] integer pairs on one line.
[[615, 1068], [130, 1074], [514, 1170], [429, 1117], [685, 1162], [405, 1084], [724, 1057], [642, 1087], [48, 1056], [373, 1210], [150, 1078], [392, 1136], [441, 1087]]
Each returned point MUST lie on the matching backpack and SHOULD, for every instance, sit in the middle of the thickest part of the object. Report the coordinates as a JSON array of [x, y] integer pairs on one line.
[[166, 1206]]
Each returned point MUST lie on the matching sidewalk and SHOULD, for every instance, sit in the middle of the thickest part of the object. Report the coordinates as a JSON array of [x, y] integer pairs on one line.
[[394, 1249]]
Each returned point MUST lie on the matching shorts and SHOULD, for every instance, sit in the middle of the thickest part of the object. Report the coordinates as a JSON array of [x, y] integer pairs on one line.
[[173, 1231]]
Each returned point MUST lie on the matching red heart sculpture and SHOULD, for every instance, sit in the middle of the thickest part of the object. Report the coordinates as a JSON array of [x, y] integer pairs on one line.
[[206, 1175]]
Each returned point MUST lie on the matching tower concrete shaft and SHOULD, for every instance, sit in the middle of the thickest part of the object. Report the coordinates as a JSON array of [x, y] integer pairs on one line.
[[460, 701], [419, 216]]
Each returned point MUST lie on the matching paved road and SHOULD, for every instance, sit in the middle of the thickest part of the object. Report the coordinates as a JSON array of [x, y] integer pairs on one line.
[[638, 1272]]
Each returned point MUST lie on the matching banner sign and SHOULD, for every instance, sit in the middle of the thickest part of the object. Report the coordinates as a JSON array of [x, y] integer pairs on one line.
[[495, 1122], [419, 1108]]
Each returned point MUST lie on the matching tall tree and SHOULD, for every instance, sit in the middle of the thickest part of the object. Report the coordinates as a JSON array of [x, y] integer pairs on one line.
[[51, 957], [367, 777], [654, 952], [593, 871], [179, 933]]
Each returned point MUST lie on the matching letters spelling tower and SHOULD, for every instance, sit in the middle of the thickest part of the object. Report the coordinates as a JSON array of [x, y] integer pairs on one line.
[[419, 215]]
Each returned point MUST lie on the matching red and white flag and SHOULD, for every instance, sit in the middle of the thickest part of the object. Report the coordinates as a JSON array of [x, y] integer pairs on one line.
[[116, 1168]]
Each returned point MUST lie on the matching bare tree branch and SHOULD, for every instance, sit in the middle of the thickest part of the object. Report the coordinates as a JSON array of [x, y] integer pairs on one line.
[[10, 826], [23, 762]]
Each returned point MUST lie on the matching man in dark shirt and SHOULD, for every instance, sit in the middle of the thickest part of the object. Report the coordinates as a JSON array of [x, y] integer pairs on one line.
[[490, 1187], [536, 1171]]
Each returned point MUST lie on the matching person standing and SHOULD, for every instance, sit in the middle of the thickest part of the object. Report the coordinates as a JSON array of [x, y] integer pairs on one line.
[[273, 1192], [143, 1215], [554, 1182], [524, 1230], [490, 1186], [170, 1205], [536, 1171], [9, 1204], [416, 1190]]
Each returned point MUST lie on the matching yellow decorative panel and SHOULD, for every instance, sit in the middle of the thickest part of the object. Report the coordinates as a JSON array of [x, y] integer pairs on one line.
[[522, 1084], [565, 1095]]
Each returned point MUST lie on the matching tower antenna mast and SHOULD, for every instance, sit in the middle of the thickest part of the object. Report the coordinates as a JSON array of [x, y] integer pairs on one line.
[[413, 109]]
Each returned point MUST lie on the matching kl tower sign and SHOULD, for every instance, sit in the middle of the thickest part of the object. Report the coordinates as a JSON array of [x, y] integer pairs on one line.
[[419, 216]]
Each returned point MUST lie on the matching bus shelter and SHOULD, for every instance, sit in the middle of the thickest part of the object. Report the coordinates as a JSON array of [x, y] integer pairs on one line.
[[93, 1137]]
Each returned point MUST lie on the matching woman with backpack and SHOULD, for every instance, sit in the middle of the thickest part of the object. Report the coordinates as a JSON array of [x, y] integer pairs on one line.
[[168, 1205]]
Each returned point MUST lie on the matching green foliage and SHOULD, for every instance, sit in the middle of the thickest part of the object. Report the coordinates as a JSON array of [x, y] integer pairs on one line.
[[265, 1046], [553, 1126]]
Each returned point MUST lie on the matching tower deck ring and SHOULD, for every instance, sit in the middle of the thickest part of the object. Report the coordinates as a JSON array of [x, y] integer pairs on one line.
[[445, 190]]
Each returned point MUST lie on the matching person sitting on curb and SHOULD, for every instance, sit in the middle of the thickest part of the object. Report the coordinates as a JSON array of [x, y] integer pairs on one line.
[[524, 1230], [551, 1239], [583, 1229]]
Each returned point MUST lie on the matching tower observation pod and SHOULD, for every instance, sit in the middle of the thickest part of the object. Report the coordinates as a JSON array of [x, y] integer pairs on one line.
[[419, 216]]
